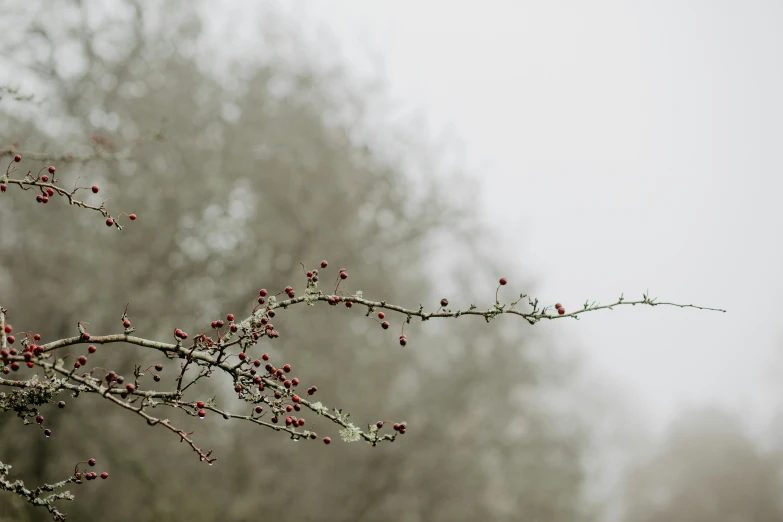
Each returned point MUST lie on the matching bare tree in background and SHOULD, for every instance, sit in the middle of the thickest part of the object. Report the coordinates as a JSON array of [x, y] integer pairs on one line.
[[708, 469], [257, 170]]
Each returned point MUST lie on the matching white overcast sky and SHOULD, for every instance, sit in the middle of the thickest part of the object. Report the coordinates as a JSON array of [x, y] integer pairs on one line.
[[623, 146]]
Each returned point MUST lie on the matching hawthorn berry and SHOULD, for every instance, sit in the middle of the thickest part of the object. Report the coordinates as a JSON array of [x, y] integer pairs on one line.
[[287, 368], [202, 413], [51, 169], [159, 367], [258, 409], [381, 315], [82, 360], [301, 422], [257, 363], [396, 427], [503, 281], [44, 178], [44, 199], [95, 189], [132, 217], [278, 395], [8, 329], [262, 292], [271, 313], [343, 275], [324, 264], [444, 302], [30, 364], [230, 317], [104, 475], [48, 432], [39, 419], [558, 305], [156, 378], [61, 404], [3, 187], [327, 440], [15, 366], [403, 340], [312, 390], [313, 435], [129, 387], [309, 275], [220, 323], [238, 388], [17, 158], [561, 310], [385, 325], [92, 349], [49, 192], [242, 356], [126, 323], [109, 222], [6, 370], [91, 462], [265, 357], [39, 198], [295, 381]]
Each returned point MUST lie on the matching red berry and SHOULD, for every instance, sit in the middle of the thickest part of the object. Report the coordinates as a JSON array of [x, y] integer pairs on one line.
[[130, 388], [109, 222], [327, 440], [258, 409], [61, 404], [403, 340], [287, 368], [343, 275], [444, 302], [3, 187], [312, 390], [379, 424], [49, 192], [262, 292], [238, 388], [324, 264], [396, 427], [271, 313], [92, 349], [287, 383], [17, 158], [301, 422], [51, 169], [230, 317], [242, 356], [132, 217], [14, 366], [561, 310], [313, 435], [8, 329], [104, 475], [402, 431], [295, 381], [95, 189], [39, 419], [159, 367], [44, 199], [126, 323], [48, 432], [202, 413], [85, 336], [503, 281], [385, 325], [44, 178], [558, 305], [381, 315], [91, 462], [82, 360], [265, 357], [39, 198]]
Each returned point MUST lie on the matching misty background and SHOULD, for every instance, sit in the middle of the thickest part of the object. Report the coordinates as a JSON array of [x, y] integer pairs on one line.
[[581, 151]]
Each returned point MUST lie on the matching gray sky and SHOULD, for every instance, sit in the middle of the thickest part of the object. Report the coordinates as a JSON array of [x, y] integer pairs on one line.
[[623, 146]]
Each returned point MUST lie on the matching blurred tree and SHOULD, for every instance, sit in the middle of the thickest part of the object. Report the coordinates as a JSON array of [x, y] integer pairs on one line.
[[262, 166], [707, 470]]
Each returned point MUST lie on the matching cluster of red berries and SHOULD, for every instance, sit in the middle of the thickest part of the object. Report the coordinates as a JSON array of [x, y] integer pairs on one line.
[[560, 309], [90, 475], [180, 334]]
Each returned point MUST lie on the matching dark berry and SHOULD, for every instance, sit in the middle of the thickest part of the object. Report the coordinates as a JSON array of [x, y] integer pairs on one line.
[[379, 424], [385, 325], [91, 462], [327, 440], [159, 367], [8, 329], [39, 419], [109, 222], [92, 349], [51, 169], [230, 317], [444, 302], [503, 281], [104, 475], [381, 315], [343, 275], [44, 178], [95, 189], [561, 310], [126, 323], [17, 158], [61, 404], [287, 368], [265, 357], [129, 387]]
